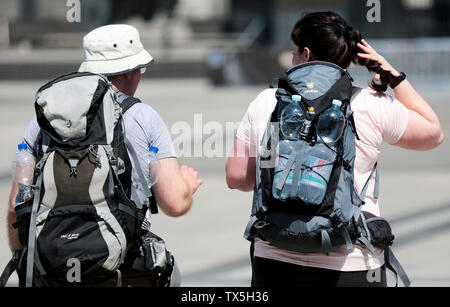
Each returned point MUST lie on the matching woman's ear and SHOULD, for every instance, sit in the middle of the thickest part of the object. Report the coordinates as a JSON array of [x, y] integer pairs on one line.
[[307, 54]]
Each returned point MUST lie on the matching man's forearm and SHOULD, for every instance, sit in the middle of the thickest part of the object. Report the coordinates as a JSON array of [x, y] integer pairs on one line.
[[13, 235]]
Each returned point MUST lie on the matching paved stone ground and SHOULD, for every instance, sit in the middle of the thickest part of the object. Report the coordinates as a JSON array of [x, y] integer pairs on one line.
[[207, 242]]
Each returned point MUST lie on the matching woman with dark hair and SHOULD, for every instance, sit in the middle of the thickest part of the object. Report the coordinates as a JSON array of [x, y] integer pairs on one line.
[[406, 121]]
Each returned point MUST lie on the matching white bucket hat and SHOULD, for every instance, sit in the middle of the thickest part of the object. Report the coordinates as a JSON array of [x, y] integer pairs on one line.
[[113, 50]]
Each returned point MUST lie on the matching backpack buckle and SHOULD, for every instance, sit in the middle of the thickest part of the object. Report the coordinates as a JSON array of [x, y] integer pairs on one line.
[[346, 165], [337, 222], [261, 224]]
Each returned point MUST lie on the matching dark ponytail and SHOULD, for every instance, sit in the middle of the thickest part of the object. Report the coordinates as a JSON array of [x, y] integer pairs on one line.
[[329, 38]]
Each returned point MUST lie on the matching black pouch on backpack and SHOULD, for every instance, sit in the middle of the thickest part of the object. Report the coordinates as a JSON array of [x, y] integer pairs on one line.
[[155, 258], [380, 230]]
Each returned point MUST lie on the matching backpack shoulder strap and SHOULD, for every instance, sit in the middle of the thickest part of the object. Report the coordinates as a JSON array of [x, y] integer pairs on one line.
[[351, 116], [128, 103], [12, 266], [125, 101]]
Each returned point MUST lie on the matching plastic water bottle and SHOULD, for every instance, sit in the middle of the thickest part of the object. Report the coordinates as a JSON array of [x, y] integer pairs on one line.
[[23, 172], [285, 149], [319, 164], [331, 123], [316, 175], [153, 165], [292, 119]]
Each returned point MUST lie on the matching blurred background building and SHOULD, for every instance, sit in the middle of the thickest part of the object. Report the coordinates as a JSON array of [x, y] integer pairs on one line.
[[229, 41]]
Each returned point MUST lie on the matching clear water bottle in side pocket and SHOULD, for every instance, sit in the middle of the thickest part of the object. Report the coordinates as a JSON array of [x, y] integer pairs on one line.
[[23, 172], [285, 149], [331, 124], [321, 156], [292, 119], [316, 174], [291, 122]]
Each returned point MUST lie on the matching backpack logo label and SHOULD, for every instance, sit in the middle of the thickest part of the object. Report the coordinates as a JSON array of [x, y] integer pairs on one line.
[[70, 236], [311, 88]]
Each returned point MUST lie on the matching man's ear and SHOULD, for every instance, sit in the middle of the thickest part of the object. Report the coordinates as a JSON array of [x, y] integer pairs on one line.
[[128, 75]]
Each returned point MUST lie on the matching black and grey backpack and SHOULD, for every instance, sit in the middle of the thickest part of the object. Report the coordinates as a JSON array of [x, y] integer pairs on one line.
[[305, 221], [85, 206]]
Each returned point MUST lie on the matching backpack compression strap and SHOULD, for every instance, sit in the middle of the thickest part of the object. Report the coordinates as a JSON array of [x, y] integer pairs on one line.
[[32, 231], [394, 265], [365, 234]]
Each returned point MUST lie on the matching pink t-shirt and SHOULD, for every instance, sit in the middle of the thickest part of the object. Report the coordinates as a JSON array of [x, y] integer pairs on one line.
[[378, 118]]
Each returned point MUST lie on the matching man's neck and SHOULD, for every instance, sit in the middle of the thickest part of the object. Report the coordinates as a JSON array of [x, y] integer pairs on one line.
[[121, 89]]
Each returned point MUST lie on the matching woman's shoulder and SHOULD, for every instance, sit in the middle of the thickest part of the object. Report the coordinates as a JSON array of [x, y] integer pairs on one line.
[[265, 100], [368, 93], [267, 95]]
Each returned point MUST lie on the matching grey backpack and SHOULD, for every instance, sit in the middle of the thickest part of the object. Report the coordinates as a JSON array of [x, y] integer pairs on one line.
[[86, 212], [304, 220]]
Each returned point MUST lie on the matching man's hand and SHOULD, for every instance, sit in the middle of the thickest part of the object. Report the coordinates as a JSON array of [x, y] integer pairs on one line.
[[191, 177], [175, 187]]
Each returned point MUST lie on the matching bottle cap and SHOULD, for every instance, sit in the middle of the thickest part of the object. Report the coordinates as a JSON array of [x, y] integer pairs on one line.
[[22, 146], [337, 103], [153, 149], [296, 99]]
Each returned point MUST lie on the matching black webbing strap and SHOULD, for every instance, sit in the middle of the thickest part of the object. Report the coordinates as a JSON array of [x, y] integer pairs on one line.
[[127, 103], [353, 126], [12, 265], [134, 213]]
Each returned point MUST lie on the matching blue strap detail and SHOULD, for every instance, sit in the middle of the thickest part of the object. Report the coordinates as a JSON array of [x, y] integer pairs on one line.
[[376, 191], [297, 151], [348, 240], [366, 243], [295, 179], [366, 185], [394, 265]]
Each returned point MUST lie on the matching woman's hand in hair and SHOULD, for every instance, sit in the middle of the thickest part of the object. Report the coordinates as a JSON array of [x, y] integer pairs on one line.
[[423, 131], [371, 54]]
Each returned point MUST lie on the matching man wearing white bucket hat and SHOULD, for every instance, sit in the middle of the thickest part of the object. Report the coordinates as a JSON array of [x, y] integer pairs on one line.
[[116, 52], [113, 50]]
